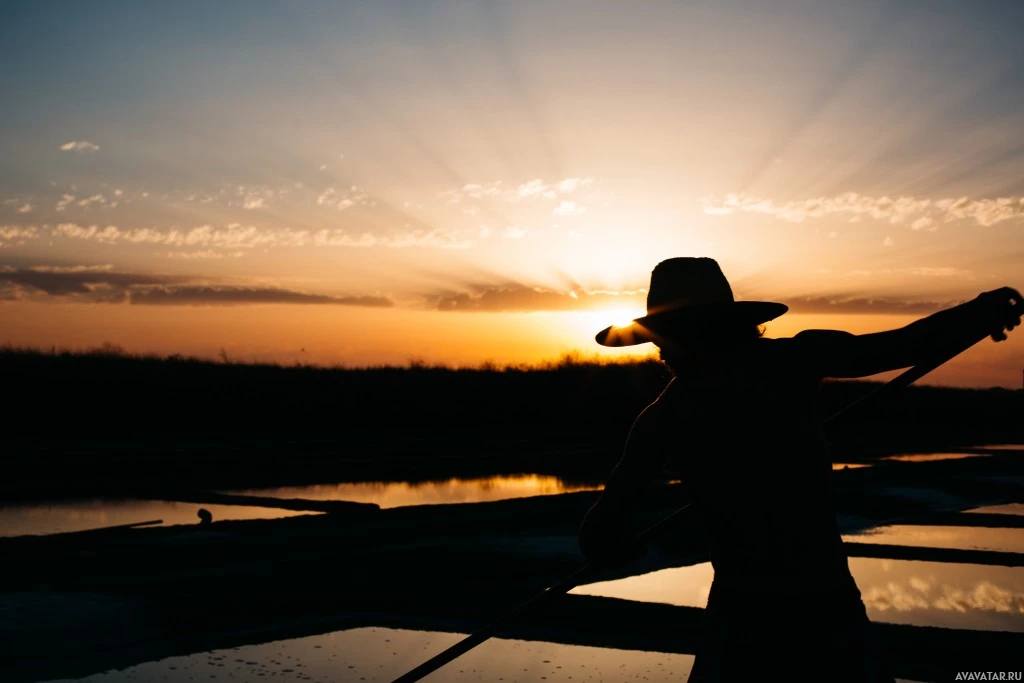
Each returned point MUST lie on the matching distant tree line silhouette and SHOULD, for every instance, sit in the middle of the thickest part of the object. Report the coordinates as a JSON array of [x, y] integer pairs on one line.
[[107, 416]]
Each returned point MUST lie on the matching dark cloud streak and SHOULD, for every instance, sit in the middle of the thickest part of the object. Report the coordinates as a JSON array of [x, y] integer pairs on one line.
[[864, 305], [233, 296], [86, 285], [63, 283], [522, 298]]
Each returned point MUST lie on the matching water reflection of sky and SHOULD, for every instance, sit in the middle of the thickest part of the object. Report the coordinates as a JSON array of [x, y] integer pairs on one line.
[[967, 596], [931, 457], [921, 536], [78, 515], [1007, 509], [390, 494], [379, 655]]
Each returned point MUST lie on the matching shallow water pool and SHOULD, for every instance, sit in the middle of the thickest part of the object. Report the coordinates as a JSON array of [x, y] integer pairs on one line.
[[959, 537], [388, 494], [78, 515], [966, 596]]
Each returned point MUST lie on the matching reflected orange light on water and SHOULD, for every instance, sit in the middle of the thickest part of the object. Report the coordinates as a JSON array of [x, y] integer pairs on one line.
[[967, 596], [931, 457], [388, 494], [969, 538]]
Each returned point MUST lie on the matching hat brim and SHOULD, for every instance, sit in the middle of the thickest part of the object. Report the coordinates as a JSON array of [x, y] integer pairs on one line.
[[641, 331]]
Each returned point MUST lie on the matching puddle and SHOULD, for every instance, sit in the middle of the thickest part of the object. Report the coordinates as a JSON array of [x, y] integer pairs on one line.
[[388, 494], [965, 596], [79, 515], [1006, 509], [379, 655], [926, 536], [930, 457]]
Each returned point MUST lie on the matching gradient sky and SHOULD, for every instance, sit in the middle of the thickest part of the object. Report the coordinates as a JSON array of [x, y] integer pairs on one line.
[[372, 182]]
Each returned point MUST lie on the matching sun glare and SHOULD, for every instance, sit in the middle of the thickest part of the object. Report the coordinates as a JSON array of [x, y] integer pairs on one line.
[[621, 317], [596, 320]]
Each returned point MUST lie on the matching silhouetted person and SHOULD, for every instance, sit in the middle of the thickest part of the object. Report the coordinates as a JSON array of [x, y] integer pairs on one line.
[[739, 418], [205, 517]]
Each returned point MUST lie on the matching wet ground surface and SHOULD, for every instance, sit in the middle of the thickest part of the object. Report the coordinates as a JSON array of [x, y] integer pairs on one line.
[[378, 655], [52, 517], [265, 599]]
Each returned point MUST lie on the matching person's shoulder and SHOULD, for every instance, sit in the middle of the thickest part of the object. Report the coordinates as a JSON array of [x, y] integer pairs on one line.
[[666, 396], [651, 415], [805, 341], [806, 350], [812, 336]]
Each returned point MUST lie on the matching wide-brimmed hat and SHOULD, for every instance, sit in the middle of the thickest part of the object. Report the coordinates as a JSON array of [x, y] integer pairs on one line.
[[688, 291]]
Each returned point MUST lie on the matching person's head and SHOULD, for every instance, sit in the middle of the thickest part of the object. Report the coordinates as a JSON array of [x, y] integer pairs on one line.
[[691, 309], [679, 345]]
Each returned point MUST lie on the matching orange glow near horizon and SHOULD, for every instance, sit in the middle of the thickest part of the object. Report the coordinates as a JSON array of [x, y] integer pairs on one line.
[[318, 335]]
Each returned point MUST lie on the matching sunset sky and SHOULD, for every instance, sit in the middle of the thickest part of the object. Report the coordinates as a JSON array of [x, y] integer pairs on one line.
[[372, 182]]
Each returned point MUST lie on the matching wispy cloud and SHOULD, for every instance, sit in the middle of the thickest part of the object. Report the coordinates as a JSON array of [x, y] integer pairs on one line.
[[204, 254], [25, 208], [93, 200], [79, 146], [107, 235], [529, 190], [864, 305], [229, 296], [919, 213], [83, 283], [515, 297], [569, 185], [64, 202], [344, 199], [518, 297], [235, 236], [17, 234], [98, 268], [568, 208]]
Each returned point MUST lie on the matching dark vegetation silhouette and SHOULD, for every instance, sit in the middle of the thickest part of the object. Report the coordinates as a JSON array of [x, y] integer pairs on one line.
[[108, 421]]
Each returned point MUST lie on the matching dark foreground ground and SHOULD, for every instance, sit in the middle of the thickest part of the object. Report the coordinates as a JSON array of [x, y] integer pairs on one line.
[[77, 604], [107, 424], [177, 429]]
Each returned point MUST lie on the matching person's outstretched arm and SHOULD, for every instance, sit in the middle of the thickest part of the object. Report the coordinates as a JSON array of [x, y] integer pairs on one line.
[[602, 536], [841, 354]]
